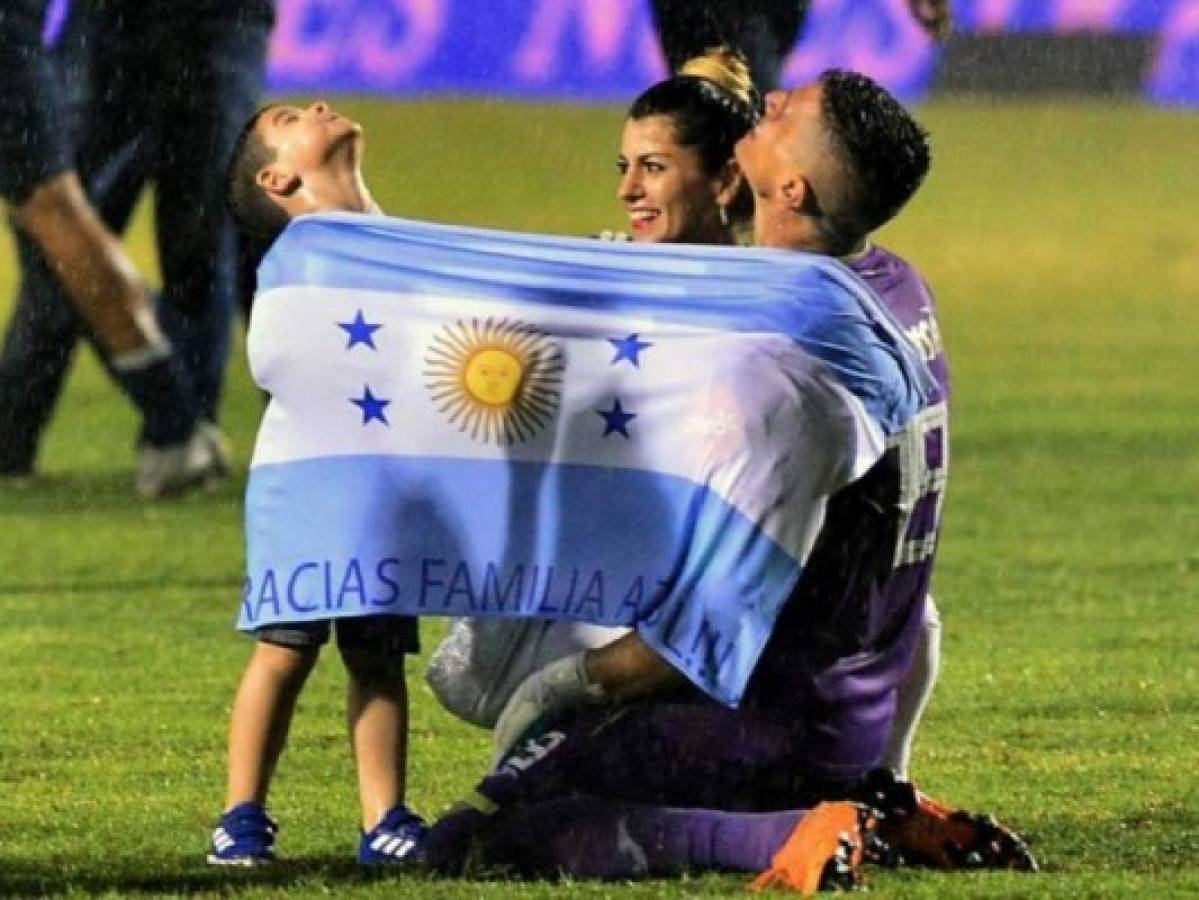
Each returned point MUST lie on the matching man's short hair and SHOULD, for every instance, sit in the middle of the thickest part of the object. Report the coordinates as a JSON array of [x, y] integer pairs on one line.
[[884, 150], [255, 213]]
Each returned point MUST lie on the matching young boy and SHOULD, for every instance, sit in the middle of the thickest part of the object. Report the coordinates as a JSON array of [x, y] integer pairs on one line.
[[309, 158]]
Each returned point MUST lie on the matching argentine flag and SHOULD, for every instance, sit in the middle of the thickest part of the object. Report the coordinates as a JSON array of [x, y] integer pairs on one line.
[[466, 422]]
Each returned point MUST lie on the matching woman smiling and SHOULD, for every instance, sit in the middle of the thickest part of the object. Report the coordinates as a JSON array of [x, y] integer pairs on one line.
[[678, 181]]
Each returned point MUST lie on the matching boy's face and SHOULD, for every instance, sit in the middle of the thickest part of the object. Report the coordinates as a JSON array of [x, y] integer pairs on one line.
[[307, 139]]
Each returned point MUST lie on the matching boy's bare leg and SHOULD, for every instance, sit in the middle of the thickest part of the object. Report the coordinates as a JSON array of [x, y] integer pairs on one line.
[[262, 713], [377, 716]]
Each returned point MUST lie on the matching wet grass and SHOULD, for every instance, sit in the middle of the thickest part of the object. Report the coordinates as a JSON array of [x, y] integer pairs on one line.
[[1061, 242]]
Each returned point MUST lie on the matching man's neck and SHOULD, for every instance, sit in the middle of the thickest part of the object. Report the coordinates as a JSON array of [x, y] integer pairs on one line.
[[790, 232], [802, 233]]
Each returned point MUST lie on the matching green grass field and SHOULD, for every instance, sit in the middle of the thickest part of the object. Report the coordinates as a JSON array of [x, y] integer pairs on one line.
[[1061, 240]]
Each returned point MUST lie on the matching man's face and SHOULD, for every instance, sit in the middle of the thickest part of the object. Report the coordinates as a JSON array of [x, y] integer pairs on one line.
[[773, 154], [305, 139], [769, 151]]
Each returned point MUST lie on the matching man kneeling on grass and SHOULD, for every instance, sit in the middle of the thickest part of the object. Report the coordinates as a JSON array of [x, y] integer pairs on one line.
[[612, 766]]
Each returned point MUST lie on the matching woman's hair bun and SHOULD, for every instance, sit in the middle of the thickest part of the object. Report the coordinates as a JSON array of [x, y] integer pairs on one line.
[[725, 68]]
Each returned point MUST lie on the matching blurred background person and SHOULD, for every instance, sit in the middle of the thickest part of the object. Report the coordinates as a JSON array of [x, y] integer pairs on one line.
[[75, 271], [764, 31], [137, 92]]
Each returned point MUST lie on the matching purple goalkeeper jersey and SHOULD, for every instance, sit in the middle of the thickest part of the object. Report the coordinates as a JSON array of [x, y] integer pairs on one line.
[[909, 300], [845, 639]]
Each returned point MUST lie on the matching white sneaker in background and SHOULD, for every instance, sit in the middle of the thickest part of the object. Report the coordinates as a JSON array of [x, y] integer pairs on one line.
[[168, 470], [219, 443]]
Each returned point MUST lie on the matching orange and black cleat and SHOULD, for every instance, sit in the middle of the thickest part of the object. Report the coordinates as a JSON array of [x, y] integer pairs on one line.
[[825, 851], [919, 830]]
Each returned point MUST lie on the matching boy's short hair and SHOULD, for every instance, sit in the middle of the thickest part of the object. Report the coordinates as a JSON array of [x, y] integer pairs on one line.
[[253, 210], [884, 150]]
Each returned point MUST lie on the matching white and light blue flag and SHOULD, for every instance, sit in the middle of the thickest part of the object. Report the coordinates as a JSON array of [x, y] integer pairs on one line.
[[467, 422]]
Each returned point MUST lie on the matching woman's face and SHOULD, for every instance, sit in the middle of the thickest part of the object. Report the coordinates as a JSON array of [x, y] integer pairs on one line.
[[664, 189]]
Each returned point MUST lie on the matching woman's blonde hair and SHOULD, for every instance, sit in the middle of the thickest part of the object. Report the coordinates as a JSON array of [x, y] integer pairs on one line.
[[726, 69]]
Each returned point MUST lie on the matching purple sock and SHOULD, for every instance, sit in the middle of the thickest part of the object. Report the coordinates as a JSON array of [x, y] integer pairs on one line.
[[589, 837]]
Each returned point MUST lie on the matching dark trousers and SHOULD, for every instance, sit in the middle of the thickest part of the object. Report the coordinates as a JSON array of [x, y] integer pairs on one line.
[[163, 104], [763, 30]]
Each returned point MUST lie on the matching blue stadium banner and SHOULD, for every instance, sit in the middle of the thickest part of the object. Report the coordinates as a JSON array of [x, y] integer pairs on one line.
[[605, 50]]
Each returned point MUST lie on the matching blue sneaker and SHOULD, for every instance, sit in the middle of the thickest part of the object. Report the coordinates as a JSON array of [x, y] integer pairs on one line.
[[400, 838], [244, 836]]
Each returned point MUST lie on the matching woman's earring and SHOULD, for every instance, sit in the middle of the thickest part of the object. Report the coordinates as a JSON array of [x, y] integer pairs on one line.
[[724, 215]]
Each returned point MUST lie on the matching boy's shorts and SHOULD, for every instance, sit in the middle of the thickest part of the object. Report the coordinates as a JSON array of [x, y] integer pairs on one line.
[[392, 635]]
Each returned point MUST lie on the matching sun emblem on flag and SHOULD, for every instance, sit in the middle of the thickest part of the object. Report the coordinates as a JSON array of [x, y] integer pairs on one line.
[[497, 380]]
